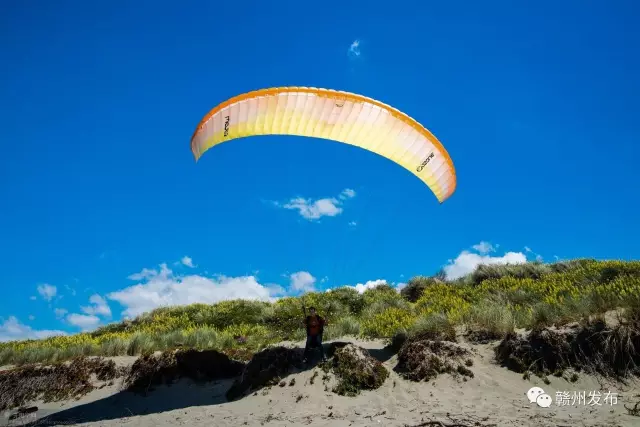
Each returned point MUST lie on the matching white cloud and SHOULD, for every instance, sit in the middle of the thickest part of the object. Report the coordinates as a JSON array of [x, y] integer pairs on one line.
[[354, 49], [484, 247], [60, 312], [530, 251], [71, 290], [275, 290], [400, 285], [164, 288], [144, 274], [361, 287], [32, 317], [347, 193], [310, 209], [467, 262], [85, 322], [302, 281], [33, 298], [353, 223], [11, 329], [187, 261], [98, 307], [315, 209], [47, 291]]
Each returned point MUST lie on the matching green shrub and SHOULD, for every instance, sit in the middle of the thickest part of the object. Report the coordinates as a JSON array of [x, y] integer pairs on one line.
[[349, 298], [387, 323], [494, 299], [492, 318], [435, 326], [345, 326], [416, 286], [142, 343], [381, 292], [520, 271]]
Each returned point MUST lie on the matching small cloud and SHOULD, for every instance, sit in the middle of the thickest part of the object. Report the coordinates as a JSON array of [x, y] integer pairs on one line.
[[144, 274], [60, 312], [311, 210], [47, 291], [315, 209], [71, 290], [187, 261], [484, 247], [98, 307], [85, 322], [466, 262], [347, 193], [556, 257], [33, 298], [164, 288], [32, 317], [302, 281], [354, 49], [108, 255], [12, 330], [275, 289], [353, 224], [537, 256], [400, 286], [361, 287]]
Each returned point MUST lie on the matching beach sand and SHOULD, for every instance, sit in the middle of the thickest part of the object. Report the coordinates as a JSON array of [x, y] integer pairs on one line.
[[495, 396]]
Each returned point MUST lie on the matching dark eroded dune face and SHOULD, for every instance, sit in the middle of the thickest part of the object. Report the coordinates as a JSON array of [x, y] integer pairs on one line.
[[198, 365], [55, 382]]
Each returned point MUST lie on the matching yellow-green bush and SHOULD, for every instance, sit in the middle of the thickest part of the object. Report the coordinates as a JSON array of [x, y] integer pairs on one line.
[[288, 313], [345, 326], [452, 300], [388, 322], [494, 317], [434, 326], [416, 286], [494, 298], [348, 297], [383, 292]]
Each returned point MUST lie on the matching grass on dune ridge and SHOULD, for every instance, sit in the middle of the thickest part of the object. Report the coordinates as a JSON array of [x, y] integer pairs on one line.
[[492, 301]]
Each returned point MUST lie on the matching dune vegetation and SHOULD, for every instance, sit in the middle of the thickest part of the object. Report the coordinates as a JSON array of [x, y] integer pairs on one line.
[[488, 304]]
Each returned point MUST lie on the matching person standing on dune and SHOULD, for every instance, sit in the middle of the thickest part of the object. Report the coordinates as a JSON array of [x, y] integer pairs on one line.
[[315, 327]]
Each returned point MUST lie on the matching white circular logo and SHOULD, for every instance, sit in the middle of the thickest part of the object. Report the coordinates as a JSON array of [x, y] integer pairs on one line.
[[544, 400], [533, 394]]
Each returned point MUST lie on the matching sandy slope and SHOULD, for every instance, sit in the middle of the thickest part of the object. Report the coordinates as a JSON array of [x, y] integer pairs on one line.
[[495, 396]]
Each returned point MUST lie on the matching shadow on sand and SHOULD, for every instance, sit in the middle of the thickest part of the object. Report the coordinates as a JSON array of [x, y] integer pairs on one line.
[[184, 393], [383, 354]]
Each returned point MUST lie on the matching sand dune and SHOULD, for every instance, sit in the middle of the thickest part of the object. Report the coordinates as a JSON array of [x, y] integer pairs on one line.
[[495, 396]]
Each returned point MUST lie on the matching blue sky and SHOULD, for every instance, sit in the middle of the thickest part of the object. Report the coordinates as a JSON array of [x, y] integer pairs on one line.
[[105, 213]]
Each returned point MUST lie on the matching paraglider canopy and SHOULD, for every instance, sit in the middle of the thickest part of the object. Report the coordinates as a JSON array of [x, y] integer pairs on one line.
[[339, 116]]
